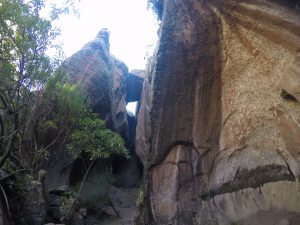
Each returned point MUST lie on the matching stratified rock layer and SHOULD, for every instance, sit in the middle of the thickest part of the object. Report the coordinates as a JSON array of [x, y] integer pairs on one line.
[[219, 125]]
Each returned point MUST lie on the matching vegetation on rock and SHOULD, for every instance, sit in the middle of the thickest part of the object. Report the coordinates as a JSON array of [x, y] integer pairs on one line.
[[40, 110]]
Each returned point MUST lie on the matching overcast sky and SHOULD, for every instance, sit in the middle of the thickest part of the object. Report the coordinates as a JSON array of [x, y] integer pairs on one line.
[[133, 29]]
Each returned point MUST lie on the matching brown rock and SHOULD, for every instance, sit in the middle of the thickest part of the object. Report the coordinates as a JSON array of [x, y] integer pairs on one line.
[[290, 80], [212, 113], [92, 66], [104, 80]]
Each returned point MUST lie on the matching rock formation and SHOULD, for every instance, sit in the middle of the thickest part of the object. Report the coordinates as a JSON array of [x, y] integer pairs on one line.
[[108, 85], [104, 80], [219, 125]]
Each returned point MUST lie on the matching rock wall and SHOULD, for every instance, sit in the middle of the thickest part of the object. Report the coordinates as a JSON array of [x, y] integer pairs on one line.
[[3, 220], [219, 125], [103, 78], [109, 86]]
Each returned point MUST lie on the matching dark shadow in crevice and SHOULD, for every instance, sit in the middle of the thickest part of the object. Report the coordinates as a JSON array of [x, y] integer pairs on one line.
[[287, 96]]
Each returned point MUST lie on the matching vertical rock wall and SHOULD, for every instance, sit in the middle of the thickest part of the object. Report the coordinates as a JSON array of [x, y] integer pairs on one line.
[[219, 125]]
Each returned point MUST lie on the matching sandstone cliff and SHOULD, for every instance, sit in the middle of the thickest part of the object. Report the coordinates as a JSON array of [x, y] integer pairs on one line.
[[106, 82], [109, 87], [219, 125]]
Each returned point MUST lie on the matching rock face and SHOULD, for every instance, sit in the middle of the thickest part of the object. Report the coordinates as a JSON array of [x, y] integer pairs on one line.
[[219, 125], [103, 78], [2, 215], [134, 87], [109, 86], [34, 203]]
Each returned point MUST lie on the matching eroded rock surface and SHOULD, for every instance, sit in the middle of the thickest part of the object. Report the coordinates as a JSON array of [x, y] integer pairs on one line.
[[108, 85], [34, 210], [103, 78], [218, 139]]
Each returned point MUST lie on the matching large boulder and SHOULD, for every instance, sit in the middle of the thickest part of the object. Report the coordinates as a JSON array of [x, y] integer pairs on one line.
[[103, 79], [34, 204], [219, 125], [92, 66]]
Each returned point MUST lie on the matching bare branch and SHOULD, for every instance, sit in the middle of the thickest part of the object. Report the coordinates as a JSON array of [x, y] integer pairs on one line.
[[1, 131], [10, 144], [13, 173], [6, 200]]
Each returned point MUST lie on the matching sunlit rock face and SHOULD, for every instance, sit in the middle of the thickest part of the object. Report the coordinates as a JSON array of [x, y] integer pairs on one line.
[[219, 125]]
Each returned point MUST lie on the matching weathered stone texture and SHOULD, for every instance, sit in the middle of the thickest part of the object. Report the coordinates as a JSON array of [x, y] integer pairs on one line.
[[34, 210], [220, 114], [92, 66], [103, 78]]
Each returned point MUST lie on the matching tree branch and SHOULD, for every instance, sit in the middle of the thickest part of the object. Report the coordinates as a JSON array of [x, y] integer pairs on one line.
[[10, 144], [84, 178], [13, 173], [1, 131]]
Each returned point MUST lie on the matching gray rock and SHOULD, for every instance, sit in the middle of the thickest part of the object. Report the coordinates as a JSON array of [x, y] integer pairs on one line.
[[34, 205], [3, 216]]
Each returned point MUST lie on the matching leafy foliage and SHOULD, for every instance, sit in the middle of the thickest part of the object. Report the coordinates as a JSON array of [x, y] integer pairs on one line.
[[25, 68], [85, 132], [68, 205], [40, 110], [140, 198], [91, 137]]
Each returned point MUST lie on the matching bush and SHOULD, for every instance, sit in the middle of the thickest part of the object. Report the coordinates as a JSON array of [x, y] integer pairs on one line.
[[92, 138], [68, 206]]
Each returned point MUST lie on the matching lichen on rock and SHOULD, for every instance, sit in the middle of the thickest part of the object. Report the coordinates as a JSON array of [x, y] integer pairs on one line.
[[215, 89]]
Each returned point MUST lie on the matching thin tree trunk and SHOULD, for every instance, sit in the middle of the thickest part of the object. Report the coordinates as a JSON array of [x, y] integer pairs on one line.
[[1, 131], [10, 144], [84, 178]]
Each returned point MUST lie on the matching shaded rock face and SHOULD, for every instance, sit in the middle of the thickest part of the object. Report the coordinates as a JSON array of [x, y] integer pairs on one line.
[[134, 87], [3, 220], [219, 124], [34, 204], [58, 172], [92, 66], [104, 79]]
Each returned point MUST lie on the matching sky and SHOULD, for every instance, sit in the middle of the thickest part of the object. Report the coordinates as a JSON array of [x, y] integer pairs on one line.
[[133, 28]]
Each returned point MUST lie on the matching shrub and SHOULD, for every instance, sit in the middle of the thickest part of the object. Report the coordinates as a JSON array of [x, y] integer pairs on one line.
[[91, 137]]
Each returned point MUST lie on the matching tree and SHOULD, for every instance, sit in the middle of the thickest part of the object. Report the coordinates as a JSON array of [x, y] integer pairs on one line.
[[25, 68], [39, 109]]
